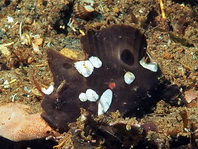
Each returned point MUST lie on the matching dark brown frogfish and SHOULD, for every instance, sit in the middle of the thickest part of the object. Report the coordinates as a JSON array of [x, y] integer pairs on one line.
[[118, 74]]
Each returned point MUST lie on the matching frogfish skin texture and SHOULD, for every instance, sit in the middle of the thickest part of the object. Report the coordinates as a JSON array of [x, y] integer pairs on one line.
[[121, 82]]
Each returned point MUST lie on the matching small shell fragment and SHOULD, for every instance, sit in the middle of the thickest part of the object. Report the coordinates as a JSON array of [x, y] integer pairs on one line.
[[82, 11], [105, 101], [6, 84], [89, 8], [150, 66], [91, 95], [82, 97], [38, 41], [129, 77], [190, 95], [88, 2], [10, 19], [30, 60], [84, 67], [96, 62], [49, 90]]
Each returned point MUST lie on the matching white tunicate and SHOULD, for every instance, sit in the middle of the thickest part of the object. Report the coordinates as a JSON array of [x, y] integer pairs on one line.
[[129, 77], [96, 62], [105, 101], [82, 97], [91, 95], [150, 66], [84, 67], [49, 90]]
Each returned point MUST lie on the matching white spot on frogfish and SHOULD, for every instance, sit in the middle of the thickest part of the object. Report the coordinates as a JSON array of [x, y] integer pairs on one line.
[[82, 97], [105, 101], [84, 67], [129, 77], [91, 95], [96, 62], [150, 66]]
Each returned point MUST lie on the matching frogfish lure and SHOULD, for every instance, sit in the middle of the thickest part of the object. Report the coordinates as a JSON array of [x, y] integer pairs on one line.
[[115, 76]]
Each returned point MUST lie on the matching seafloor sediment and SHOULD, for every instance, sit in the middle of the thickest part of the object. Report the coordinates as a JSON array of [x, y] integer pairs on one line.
[[29, 28]]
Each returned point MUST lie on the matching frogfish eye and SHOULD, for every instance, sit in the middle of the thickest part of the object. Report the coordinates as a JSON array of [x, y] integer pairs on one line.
[[127, 57]]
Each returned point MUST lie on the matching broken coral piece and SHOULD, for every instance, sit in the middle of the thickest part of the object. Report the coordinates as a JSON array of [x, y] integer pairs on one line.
[[16, 124]]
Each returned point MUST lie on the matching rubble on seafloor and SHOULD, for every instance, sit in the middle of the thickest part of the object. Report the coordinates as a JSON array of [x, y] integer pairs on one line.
[[29, 28]]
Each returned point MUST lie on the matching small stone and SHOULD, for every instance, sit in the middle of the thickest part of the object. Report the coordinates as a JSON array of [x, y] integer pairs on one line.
[[29, 20], [38, 41], [73, 54], [116, 10], [6, 84], [168, 56], [190, 95], [5, 51]]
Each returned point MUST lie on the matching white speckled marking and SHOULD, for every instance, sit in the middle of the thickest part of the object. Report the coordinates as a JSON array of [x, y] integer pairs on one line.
[[105, 101], [96, 62], [129, 77], [150, 66]]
